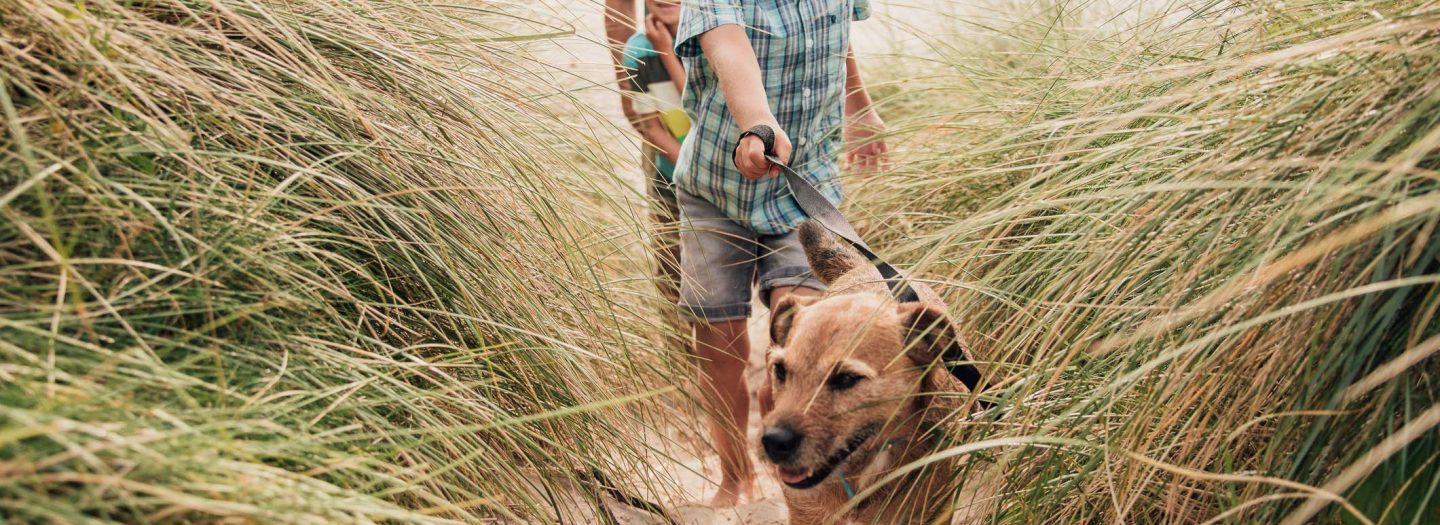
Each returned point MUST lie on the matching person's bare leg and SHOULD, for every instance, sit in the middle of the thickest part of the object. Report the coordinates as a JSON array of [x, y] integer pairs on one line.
[[723, 349], [763, 396]]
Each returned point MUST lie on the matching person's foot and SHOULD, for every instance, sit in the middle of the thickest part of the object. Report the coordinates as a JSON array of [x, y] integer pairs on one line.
[[731, 492]]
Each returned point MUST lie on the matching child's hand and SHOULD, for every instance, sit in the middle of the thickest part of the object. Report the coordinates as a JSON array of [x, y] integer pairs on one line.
[[659, 35], [750, 155], [863, 151]]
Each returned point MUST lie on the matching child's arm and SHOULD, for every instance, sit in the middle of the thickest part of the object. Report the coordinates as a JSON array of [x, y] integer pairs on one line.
[[642, 112], [619, 25], [664, 43], [653, 130], [729, 53], [862, 123]]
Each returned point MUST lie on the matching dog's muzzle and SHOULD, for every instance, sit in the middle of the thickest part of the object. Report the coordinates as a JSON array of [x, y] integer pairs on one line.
[[781, 443], [804, 479]]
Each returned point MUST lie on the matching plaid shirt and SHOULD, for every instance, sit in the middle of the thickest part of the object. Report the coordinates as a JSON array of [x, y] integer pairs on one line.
[[801, 47]]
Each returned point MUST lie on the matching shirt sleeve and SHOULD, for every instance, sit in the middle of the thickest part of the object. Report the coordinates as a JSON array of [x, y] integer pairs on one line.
[[699, 16], [861, 10], [637, 49]]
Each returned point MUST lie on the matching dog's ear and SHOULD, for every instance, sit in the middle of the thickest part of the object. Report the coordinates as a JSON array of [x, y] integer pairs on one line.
[[783, 316], [829, 259], [929, 334]]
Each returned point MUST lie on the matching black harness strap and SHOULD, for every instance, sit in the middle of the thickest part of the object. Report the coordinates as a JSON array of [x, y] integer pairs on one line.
[[817, 207]]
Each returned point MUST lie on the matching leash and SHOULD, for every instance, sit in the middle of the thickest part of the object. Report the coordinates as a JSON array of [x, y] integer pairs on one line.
[[817, 207]]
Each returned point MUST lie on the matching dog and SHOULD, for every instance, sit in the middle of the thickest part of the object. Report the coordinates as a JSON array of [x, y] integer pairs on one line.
[[853, 375]]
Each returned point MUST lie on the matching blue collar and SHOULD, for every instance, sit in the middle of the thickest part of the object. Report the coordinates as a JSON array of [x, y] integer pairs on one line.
[[845, 482]]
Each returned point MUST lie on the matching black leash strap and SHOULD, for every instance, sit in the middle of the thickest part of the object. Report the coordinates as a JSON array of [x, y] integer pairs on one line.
[[817, 207]]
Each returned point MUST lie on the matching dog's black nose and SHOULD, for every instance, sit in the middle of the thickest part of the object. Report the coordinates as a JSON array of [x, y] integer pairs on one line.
[[781, 442]]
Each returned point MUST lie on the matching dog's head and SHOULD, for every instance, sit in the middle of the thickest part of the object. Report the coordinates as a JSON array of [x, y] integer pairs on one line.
[[848, 366]]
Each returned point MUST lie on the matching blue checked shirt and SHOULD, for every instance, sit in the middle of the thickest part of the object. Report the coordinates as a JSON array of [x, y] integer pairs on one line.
[[801, 47]]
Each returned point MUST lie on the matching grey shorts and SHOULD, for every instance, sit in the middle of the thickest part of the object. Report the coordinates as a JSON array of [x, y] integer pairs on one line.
[[720, 262]]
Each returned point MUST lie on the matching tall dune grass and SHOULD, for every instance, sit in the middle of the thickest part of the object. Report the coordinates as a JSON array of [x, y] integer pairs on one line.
[[1198, 243], [339, 261], [305, 262]]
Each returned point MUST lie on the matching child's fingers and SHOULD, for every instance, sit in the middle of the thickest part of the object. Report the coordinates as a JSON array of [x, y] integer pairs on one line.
[[783, 149], [876, 155], [759, 165], [751, 159], [862, 158], [749, 169], [750, 156], [655, 29], [756, 169]]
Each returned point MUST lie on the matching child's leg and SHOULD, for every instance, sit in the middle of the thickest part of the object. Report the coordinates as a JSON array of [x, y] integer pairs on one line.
[[723, 349], [665, 240], [717, 263]]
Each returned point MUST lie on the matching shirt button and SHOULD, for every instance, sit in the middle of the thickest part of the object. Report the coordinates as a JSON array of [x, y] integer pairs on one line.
[[802, 141], [809, 42], [806, 92]]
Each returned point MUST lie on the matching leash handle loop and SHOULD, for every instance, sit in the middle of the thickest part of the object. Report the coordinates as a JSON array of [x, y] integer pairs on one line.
[[766, 134], [767, 137]]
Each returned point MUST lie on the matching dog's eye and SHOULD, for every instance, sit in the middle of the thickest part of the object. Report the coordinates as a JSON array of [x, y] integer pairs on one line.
[[780, 372], [843, 380]]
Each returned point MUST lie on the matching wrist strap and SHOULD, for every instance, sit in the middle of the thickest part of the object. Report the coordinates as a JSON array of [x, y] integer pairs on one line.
[[766, 134]]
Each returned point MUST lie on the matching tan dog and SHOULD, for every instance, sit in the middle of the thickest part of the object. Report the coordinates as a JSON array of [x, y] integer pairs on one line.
[[849, 381]]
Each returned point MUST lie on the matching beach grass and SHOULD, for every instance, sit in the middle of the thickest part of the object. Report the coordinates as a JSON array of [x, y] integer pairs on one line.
[[328, 261], [309, 262], [1195, 243]]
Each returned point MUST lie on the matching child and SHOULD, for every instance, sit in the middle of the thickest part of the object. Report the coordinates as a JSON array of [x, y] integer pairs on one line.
[[653, 88], [786, 64]]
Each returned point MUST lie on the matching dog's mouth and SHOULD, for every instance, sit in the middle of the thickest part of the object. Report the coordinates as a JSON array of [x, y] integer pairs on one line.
[[804, 479]]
